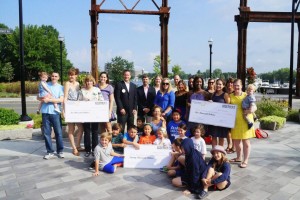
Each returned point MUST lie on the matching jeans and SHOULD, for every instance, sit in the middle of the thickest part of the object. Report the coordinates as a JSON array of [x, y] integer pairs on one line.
[[88, 129], [54, 121]]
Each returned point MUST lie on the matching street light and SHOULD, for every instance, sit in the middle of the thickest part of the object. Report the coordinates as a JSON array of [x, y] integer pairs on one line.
[[210, 43], [61, 40], [24, 117]]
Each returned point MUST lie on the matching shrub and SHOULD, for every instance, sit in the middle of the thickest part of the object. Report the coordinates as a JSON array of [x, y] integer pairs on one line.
[[268, 107], [37, 120], [15, 87], [8, 117], [293, 116], [280, 121]]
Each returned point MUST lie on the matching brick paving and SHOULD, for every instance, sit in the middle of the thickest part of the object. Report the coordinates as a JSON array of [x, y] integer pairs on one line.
[[272, 173]]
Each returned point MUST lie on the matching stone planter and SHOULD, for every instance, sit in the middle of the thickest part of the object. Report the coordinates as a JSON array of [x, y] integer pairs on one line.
[[16, 134], [268, 126]]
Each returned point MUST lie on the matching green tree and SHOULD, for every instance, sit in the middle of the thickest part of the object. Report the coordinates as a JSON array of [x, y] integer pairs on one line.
[[6, 71], [41, 51], [157, 64], [216, 73], [176, 70], [116, 67]]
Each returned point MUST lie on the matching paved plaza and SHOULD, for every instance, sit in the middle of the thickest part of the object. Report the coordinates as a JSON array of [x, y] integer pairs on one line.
[[273, 173]]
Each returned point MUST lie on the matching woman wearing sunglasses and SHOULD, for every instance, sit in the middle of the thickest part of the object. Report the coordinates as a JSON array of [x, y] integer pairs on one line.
[[165, 98]]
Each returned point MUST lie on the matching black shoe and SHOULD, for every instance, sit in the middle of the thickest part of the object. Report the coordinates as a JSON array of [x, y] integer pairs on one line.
[[202, 195], [87, 154], [250, 125]]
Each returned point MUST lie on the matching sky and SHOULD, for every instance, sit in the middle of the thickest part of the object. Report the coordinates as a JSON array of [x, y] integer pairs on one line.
[[137, 37]]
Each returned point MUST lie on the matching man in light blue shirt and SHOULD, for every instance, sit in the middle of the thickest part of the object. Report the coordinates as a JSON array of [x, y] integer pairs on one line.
[[51, 117]]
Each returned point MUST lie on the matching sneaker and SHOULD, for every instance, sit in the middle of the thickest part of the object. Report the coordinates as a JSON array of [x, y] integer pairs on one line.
[[255, 119], [250, 125], [61, 155], [48, 156], [38, 112], [57, 110], [202, 195], [92, 166], [87, 154], [163, 169]]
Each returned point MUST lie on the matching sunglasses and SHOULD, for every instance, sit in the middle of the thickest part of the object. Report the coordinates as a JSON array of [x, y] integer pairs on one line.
[[166, 83]]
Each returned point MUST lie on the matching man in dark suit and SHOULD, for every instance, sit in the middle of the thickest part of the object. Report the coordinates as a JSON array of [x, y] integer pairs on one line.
[[145, 98], [126, 100]]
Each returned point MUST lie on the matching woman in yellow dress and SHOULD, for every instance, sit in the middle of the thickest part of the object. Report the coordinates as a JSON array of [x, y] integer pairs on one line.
[[241, 134]]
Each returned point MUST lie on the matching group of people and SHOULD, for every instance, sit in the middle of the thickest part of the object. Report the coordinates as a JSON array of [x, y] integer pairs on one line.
[[162, 119]]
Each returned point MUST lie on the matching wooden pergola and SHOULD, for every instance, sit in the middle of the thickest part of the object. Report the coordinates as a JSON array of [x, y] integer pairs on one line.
[[242, 20], [164, 13]]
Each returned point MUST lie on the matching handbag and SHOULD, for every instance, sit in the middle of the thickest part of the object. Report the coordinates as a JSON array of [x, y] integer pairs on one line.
[[261, 134]]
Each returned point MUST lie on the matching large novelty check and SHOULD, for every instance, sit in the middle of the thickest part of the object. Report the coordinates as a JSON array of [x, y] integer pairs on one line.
[[86, 111], [148, 156], [217, 114]]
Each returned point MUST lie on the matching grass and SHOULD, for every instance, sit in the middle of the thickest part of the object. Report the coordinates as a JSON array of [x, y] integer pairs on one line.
[[9, 95], [12, 127]]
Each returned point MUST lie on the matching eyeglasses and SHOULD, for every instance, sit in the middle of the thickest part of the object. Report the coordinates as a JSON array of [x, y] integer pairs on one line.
[[166, 83]]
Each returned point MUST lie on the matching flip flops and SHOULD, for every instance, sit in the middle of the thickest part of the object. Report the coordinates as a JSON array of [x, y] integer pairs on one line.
[[243, 165], [234, 160], [230, 151]]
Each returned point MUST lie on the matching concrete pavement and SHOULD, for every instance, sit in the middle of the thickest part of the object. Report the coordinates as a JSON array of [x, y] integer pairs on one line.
[[272, 173]]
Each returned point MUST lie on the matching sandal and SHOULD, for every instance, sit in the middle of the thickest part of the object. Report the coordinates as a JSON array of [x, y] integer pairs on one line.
[[80, 149], [75, 152], [230, 151], [234, 160], [243, 165]]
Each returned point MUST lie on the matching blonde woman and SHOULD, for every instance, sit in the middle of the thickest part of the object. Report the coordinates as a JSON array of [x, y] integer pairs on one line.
[[165, 98], [241, 133], [90, 93], [71, 91]]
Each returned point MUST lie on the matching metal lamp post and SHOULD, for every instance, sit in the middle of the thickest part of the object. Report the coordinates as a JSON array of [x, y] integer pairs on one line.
[[61, 40], [24, 116], [210, 43]]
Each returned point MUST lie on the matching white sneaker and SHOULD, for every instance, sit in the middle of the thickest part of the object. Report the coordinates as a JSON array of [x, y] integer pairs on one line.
[[61, 155], [57, 110], [48, 156]]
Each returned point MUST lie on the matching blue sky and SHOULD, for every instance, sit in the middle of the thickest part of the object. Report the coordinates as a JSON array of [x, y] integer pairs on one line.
[[137, 37]]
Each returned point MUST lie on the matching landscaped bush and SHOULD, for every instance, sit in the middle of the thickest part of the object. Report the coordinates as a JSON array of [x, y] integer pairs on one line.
[[280, 121], [8, 117], [268, 107], [37, 119], [293, 116]]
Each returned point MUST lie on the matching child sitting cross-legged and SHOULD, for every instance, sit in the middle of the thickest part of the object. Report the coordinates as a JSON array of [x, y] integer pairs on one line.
[[105, 157], [131, 137], [217, 173], [117, 138], [148, 136]]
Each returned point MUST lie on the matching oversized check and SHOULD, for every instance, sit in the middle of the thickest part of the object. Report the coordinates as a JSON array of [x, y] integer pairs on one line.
[[148, 156], [211, 113], [86, 111]]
